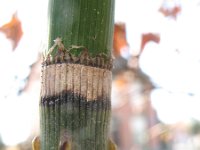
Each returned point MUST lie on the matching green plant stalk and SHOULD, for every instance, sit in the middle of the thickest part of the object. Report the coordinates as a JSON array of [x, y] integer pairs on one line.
[[87, 23], [75, 101]]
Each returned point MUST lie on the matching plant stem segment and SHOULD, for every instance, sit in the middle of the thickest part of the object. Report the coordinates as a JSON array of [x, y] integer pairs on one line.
[[87, 23], [75, 106], [75, 103]]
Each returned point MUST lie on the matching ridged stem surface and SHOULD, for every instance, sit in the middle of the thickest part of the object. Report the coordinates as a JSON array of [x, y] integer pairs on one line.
[[75, 101], [75, 106], [87, 23]]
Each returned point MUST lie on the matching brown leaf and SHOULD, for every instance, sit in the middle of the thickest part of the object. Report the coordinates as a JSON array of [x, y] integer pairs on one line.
[[149, 37], [173, 12], [119, 40], [13, 30]]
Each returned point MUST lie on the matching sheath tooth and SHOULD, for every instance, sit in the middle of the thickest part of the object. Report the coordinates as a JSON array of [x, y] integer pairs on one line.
[[57, 79], [90, 80], [47, 82], [52, 79], [63, 77], [77, 78], [95, 83], [43, 83], [84, 82], [70, 78]]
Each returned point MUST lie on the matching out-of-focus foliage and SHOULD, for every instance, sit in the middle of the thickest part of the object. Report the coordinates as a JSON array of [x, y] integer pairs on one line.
[[13, 30]]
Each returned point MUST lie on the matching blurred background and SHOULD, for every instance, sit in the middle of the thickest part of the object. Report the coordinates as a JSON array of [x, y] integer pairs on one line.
[[156, 75]]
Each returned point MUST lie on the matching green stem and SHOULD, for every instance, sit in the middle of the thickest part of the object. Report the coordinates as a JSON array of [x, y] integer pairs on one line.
[[87, 23], [75, 92]]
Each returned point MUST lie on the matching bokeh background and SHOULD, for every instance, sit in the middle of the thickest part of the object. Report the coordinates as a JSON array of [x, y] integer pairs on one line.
[[156, 75]]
